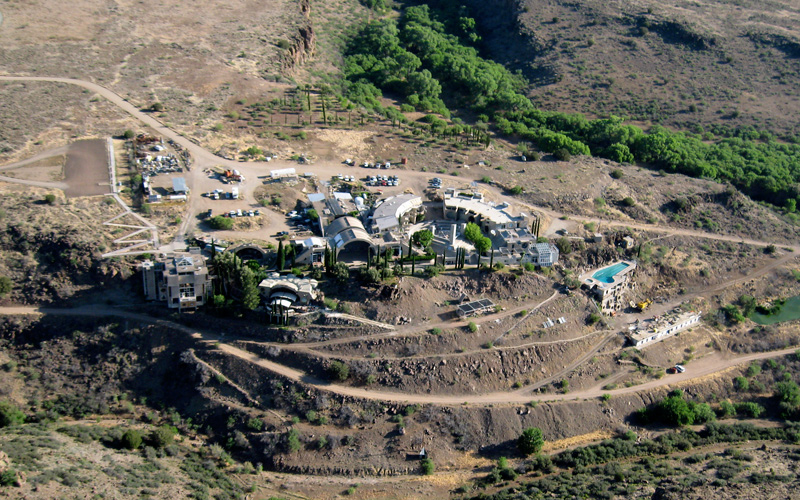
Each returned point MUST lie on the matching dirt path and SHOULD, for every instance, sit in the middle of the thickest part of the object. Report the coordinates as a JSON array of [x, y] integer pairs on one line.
[[50, 185], [33, 159], [711, 365]]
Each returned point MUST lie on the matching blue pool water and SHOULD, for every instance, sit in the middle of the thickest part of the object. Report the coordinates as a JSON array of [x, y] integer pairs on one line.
[[606, 275]]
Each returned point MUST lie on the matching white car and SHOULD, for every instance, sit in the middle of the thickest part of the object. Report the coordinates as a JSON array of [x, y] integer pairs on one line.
[[680, 368]]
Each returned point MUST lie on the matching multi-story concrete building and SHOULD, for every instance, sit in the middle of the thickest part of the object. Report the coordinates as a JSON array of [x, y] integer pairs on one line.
[[609, 285], [488, 216], [394, 212], [181, 280]]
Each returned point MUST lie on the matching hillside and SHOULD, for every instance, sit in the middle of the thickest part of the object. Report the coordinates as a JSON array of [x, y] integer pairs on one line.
[[710, 63]]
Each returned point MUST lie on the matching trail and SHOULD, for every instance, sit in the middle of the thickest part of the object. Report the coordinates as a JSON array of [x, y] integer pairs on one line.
[[710, 365], [33, 159]]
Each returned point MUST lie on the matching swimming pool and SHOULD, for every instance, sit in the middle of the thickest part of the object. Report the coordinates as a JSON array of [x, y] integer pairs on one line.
[[606, 275]]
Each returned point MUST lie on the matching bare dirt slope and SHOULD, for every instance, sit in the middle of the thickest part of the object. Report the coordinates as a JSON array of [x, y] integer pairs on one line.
[[707, 62]]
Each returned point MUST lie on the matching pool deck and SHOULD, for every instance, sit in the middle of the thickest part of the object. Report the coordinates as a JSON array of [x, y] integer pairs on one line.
[[589, 280]]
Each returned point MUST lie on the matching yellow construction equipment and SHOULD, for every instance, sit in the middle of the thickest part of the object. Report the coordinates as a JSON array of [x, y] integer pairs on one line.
[[643, 304]]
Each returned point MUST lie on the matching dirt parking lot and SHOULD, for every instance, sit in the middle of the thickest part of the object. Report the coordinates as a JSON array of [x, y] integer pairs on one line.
[[86, 170]]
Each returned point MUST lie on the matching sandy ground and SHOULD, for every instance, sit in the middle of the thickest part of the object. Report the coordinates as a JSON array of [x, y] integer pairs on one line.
[[86, 169]]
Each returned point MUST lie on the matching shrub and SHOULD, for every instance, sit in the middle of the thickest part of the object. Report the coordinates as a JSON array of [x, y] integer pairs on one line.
[[220, 222], [426, 466], [10, 415], [293, 443], [616, 173], [339, 371], [131, 440], [163, 436], [5, 286], [436, 331], [741, 384], [750, 409], [472, 327], [628, 201], [530, 441], [562, 154], [50, 199], [517, 190], [255, 424]]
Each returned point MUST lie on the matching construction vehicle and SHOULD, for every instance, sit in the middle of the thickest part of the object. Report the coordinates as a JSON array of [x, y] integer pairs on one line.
[[641, 306], [233, 175]]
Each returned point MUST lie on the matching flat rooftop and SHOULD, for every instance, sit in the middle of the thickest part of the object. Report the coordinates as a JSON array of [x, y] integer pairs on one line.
[[497, 213]]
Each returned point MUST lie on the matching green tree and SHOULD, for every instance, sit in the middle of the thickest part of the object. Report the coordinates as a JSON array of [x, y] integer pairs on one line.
[[254, 151], [483, 245], [340, 272], [281, 263], [131, 440], [422, 238], [530, 441], [426, 466], [517, 190], [157, 107], [250, 295], [163, 436], [10, 415], [293, 443], [220, 222], [339, 371], [741, 384], [564, 245], [5, 286], [50, 199], [128, 134], [312, 214], [676, 411], [472, 232]]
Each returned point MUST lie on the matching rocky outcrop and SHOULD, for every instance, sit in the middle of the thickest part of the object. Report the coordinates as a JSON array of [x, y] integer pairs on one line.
[[302, 43]]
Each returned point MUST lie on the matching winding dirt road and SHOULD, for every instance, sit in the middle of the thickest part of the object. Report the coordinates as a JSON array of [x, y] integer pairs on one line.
[[711, 365]]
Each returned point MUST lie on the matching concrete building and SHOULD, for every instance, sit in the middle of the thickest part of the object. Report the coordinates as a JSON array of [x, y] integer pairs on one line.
[[609, 284], [310, 251], [519, 246], [489, 216], [287, 291], [180, 280], [348, 238], [394, 212], [660, 328]]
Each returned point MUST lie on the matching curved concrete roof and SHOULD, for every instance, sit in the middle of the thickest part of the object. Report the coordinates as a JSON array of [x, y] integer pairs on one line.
[[346, 230]]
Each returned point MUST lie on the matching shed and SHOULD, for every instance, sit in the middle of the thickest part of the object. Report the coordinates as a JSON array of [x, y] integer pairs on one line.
[[179, 185]]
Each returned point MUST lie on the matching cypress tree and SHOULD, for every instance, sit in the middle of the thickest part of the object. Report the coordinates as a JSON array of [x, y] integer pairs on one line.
[[281, 256]]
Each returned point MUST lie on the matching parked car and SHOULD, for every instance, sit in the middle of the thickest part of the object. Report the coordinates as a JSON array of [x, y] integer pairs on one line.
[[282, 233], [680, 368]]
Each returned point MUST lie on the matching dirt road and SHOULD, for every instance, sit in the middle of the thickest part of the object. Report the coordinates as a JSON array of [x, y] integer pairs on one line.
[[205, 159], [33, 159], [710, 365]]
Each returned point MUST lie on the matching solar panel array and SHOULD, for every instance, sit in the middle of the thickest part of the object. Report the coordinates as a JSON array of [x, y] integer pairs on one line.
[[474, 307]]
